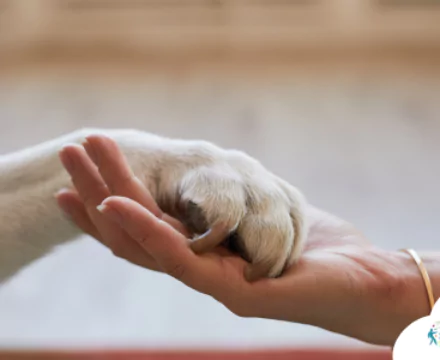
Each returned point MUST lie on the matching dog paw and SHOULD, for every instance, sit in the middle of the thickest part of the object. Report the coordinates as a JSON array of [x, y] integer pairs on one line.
[[204, 185]]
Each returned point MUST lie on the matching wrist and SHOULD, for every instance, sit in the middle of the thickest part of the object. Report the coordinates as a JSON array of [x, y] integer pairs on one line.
[[411, 301], [428, 266], [431, 260]]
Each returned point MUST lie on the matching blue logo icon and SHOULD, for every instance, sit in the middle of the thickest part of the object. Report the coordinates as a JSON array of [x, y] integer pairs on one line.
[[434, 334]]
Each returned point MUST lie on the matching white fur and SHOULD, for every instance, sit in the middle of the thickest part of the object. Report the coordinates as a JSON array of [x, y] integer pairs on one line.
[[227, 185]]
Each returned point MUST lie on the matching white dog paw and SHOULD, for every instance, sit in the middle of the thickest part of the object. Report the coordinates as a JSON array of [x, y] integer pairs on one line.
[[264, 214]]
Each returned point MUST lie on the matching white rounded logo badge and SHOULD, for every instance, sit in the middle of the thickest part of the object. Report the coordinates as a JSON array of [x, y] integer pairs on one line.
[[421, 339]]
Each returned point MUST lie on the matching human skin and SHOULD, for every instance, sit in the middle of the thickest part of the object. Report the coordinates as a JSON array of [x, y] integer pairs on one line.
[[342, 283]]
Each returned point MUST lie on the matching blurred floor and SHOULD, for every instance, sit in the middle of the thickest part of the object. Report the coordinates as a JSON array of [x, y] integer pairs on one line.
[[202, 355], [363, 146]]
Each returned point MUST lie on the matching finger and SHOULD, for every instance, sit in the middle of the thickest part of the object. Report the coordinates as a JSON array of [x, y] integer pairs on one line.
[[116, 172], [169, 248], [92, 191], [70, 202], [177, 225], [120, 179], [85, 176], [210, 274]]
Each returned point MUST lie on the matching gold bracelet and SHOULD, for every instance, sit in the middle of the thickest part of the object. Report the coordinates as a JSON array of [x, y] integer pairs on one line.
[[424, 274]]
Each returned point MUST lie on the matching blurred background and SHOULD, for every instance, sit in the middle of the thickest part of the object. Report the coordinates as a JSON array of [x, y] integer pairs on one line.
[[339, 97]]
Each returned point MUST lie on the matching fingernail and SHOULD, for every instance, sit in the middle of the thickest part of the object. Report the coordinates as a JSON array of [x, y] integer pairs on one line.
[[110, 212], [62, 191]]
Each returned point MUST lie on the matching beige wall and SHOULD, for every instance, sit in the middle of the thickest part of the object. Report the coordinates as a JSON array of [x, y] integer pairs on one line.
[[237, 25]]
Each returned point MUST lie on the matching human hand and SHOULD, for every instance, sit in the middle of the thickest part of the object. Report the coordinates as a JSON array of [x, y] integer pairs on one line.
[[204, 185], [341, 283]]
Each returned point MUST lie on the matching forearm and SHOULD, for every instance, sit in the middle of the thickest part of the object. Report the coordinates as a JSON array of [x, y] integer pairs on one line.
[[30, 222]]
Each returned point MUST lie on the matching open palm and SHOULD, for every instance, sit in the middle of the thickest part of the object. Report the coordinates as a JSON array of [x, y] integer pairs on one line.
[[341, 283]]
